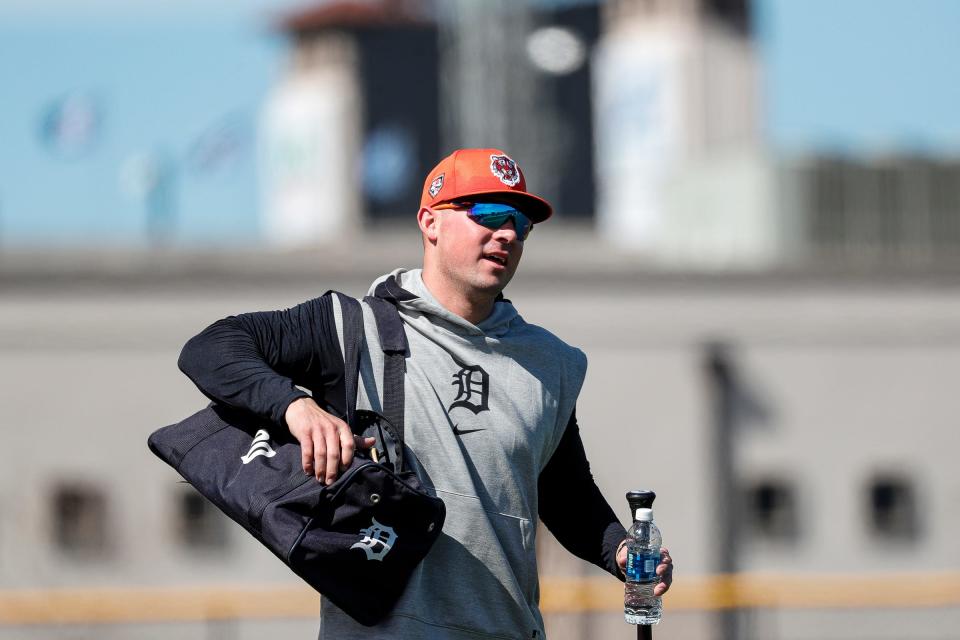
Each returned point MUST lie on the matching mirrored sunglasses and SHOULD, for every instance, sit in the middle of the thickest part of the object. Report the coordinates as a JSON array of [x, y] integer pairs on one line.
[[493, 215]]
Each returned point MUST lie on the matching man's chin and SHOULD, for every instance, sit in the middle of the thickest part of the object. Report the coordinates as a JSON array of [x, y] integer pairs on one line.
[[494, 284]]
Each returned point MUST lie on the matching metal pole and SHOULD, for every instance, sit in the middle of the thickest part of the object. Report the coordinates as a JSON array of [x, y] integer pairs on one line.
[[722, 382]]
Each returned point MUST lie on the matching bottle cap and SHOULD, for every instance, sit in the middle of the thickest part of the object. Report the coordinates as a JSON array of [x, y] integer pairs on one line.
[[644, 515]]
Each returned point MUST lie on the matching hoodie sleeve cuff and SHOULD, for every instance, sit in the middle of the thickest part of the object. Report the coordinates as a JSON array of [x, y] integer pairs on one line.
[[280, 409], [613, 537]]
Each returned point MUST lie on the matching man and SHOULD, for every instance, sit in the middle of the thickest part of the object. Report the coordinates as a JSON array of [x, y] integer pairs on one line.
[[489, 409]]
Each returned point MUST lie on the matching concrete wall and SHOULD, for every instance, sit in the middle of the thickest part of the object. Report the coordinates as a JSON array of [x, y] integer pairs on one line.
[[856, 377]]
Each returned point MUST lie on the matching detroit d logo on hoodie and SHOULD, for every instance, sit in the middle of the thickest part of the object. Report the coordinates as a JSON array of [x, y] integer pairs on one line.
[[473, 389]]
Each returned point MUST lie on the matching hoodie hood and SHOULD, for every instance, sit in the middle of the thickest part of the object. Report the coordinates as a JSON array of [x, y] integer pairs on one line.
[[415, 302]]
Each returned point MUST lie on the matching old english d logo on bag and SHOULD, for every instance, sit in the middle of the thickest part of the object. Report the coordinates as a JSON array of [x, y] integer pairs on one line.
[[377, 540], [315, 529]]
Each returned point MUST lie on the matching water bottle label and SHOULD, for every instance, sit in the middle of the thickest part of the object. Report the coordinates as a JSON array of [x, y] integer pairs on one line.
[[642, 566]]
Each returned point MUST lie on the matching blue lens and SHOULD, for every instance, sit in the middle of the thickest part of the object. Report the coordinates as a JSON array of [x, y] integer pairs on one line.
[[494, 215]]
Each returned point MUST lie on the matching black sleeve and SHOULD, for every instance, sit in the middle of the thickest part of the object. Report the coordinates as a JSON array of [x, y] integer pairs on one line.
[[254, 361], [572, 507]]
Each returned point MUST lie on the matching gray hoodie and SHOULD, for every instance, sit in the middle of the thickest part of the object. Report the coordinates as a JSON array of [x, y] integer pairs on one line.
[[485, 408]]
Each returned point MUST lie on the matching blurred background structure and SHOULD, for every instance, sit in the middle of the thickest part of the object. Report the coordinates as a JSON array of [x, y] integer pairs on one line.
[[757, 244]]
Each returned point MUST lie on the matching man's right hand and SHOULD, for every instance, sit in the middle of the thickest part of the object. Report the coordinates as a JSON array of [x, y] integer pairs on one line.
[[327, 444]]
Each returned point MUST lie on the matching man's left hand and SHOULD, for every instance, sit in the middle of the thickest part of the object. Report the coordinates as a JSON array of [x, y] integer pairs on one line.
[[664, 569]]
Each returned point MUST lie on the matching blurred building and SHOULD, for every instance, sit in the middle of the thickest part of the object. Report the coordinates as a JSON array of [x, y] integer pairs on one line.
[[377, 92], [352, 127], [517, 75], [663, 123], [694, 134], [677, 132], [769, 134]]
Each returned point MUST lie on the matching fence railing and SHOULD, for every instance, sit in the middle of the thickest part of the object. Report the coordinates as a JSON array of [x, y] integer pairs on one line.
[[125, 605]]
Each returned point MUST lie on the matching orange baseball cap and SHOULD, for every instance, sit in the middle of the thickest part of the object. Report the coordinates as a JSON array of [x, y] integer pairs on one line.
[[482, 172]]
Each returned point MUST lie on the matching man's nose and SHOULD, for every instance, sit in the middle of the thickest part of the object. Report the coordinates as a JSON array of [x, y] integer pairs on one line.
[[507, 231]]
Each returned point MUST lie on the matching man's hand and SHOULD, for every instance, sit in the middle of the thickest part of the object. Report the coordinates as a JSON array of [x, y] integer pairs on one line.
[[327, 444], [664, 569]]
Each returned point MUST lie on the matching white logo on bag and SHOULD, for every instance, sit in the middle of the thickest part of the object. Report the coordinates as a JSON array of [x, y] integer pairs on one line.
[[259, 447], [377, 536]]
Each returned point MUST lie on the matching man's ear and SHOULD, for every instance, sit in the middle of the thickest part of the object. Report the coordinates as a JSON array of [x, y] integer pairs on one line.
[[427, 219]]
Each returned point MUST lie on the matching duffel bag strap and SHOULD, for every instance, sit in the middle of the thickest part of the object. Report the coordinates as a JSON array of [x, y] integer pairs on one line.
[[352, 339], [393, 342]]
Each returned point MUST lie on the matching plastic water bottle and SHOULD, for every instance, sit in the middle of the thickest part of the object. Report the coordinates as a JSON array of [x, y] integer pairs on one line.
[[640, 606]]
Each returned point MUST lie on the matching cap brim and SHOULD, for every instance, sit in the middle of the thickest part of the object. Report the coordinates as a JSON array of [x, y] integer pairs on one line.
[[537, 209]]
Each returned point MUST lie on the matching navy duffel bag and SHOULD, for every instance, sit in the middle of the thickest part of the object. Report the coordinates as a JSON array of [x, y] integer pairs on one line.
[[357, 540]]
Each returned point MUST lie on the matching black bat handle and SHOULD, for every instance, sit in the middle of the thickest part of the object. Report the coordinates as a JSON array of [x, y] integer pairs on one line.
[[644, 632]]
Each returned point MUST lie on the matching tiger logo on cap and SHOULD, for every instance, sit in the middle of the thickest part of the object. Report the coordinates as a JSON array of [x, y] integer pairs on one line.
[[506, 169]]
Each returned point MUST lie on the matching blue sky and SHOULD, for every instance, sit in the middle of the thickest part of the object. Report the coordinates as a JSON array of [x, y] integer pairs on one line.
[[159, 77], [71, 11], [861, 76]]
